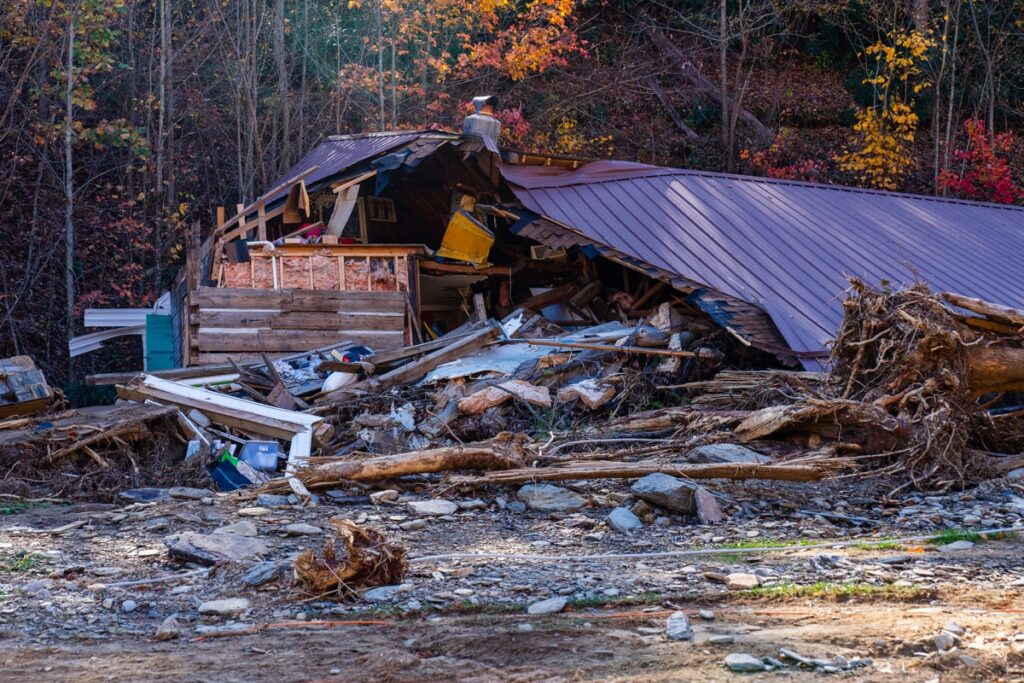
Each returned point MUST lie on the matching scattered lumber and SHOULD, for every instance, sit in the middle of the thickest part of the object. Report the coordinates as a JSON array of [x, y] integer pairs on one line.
[[706, 354]]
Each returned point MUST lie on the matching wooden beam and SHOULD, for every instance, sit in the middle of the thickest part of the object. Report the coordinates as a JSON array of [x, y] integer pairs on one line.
[[709, 354]]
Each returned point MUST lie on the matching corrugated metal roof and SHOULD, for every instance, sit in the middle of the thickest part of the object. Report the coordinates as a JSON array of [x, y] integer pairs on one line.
[[785, 246], [340, 152]]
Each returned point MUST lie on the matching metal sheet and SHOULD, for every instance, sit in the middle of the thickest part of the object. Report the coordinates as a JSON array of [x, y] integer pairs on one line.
[[787, 247], [340, 152]]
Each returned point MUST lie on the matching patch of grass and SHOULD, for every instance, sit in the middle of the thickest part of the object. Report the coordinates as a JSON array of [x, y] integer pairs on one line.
[[732, 558], [952, 535], [15, 506], [19, 562], [824, 589], [889, 543]]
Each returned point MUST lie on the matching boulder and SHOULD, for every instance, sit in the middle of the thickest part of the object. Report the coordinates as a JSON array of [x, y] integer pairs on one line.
[[213, 548], [666, 491], [228, 607], [622, 520], [549, 606], [740, 662], [550, 498], [432, 508], [726, 453], [678, 627], [739, 581]]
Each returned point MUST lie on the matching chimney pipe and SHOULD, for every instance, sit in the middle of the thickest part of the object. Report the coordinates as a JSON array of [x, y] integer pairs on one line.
[[482, 123]]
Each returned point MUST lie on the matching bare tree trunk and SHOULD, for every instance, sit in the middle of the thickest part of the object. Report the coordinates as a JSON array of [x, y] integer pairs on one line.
[[394, 77], [378, 10], [163, 121], [302, 86], [723, 75], [69, 189], [284, 158]]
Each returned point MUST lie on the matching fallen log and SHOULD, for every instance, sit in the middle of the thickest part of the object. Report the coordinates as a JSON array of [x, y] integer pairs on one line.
[[617, 470], [502, 453], [865, 424]]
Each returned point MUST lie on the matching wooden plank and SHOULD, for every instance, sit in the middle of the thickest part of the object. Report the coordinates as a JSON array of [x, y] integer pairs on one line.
[[299, 320], [551, 297], [462, 268], [276, 341], [291, 299]]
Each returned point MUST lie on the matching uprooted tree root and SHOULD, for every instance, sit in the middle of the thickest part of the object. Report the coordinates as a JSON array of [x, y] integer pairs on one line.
[[906, 357], [367, 560]]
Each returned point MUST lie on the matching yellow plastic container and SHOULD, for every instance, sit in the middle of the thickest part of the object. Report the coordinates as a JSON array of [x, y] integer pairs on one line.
[[466, 239]]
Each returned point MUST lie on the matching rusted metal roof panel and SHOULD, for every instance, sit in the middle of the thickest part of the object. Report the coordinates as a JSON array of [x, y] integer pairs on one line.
[[786, 247]]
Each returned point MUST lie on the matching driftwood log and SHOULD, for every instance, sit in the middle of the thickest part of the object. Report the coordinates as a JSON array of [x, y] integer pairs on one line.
[[502, 453], [617, 470]]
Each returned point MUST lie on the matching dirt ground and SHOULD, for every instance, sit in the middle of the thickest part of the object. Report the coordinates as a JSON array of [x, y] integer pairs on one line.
[[594, 645], [63, 618]]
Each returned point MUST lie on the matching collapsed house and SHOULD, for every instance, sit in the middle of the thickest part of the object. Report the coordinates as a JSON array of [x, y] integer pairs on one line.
[[392, 238], [402, 292]]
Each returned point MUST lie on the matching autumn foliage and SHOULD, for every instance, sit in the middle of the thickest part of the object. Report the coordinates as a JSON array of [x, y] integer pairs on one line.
[[980, 170]]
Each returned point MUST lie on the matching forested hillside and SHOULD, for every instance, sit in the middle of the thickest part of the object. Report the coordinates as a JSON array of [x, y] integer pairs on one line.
[[124, 121]]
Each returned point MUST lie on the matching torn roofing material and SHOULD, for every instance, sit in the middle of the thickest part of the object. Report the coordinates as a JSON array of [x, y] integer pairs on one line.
[[787, 247], [340, 152]]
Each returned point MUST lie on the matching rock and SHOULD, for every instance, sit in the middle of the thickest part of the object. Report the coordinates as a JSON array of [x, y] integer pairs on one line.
[[210, 549], [169, 629], [721, 640], [271, 500], [678, 627], [386, 496], [954, 629], [263, 572], [226, 607], [39, 588], [666, 491], [708, 510], [968, 660], [738, 581], [253, 512], [944, 642], [549, 606], [739, 662], [145, 495], [1016, 473], [432, 508], [188, 493], [516, 506], [621, 519], [706, 614], [243, 528], [955, 546], [472, 504], [727, 453], [550, 498], [382, 593], [302, 529], [413, 525], [129, 606]]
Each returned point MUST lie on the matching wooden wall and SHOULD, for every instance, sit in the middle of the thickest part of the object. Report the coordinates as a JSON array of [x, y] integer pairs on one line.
[[240, 323]]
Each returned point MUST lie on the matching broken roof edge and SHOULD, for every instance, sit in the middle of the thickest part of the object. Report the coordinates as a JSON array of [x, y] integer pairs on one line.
[[734, 315], [389, 133]]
